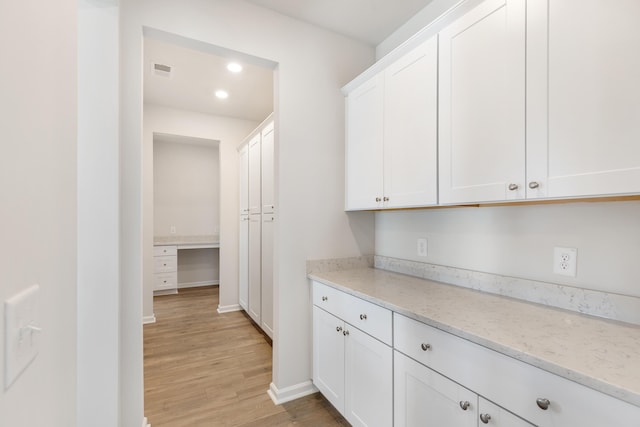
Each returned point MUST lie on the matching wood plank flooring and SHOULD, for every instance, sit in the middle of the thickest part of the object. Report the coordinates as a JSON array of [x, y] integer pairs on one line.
[[207, 369]]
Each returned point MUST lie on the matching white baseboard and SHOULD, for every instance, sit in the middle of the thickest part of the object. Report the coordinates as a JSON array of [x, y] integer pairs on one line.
[[293, 392], [145, 422], [198, 284], [149, 319], [228, 308]]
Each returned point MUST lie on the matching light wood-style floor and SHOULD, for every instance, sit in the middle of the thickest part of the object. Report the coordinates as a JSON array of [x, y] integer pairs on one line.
[[202, 368]]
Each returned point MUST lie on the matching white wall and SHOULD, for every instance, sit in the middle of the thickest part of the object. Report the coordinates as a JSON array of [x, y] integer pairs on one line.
[[186, 188], [98, 225], [312, 66], [518, 241], [190, 124], [38, 193]]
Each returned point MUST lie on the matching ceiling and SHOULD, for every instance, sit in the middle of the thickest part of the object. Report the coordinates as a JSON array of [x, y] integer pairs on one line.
[[198, 69], [370, 21], [196, 75]]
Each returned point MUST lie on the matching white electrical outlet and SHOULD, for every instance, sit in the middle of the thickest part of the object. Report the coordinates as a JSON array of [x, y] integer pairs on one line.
[[565, 261], [422, 247], [172, 229]]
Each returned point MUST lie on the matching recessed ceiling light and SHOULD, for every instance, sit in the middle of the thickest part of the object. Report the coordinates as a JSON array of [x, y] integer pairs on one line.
[[222, 94], [234, 67]]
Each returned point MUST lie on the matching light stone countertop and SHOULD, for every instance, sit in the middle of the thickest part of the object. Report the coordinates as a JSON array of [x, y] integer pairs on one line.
[[186, 240], [601, 354]]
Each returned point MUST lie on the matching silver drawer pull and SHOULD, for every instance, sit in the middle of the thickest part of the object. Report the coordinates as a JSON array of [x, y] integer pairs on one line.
[[513, 187], [485, 418], [324, 298], [533, 185], [338, 328], [345, 332], [363, 317], [464, 405], [425, 346], [543, 403]]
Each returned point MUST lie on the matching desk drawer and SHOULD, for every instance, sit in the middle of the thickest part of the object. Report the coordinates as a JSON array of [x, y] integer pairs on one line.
[[165, 281], [165, 264], [165, 250]]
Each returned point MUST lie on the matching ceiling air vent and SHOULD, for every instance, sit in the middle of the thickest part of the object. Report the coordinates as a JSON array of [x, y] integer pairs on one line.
[[162, 70]]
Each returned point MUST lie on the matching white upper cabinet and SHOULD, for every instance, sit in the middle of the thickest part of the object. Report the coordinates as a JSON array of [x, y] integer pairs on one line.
[[392, 134], [268, 175], [411, 128], [364, 146], [482, 104], [255, 177], [583, 93]]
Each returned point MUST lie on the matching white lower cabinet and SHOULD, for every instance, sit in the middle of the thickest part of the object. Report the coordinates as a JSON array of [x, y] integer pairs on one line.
[[352, 369]]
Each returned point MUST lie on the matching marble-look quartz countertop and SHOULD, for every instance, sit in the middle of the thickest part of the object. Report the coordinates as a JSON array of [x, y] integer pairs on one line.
[[213, 239], [601, 354]]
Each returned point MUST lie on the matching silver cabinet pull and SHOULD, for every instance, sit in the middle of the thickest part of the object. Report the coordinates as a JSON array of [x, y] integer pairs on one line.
[[338, 328], [324, 298], [533, 185], [425, 346], [345, 332], [513, 187], [543, 403], [464, 405], [485, 418], [378, 199], [385, 199], [363, 317]]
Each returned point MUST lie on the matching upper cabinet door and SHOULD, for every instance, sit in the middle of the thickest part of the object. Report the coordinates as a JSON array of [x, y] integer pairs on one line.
[[254, 175], [364, 145], [411, 128], [268, 202], [244, 180], [482, 104], [582, 97]]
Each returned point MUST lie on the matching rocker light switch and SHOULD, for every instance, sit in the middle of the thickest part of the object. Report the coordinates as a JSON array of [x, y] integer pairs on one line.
[[21, 333]]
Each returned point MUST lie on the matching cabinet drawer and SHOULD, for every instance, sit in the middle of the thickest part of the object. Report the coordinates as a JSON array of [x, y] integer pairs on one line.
[[510, 383], [165, 250], [368, 317], [165, 281], [165, 264]]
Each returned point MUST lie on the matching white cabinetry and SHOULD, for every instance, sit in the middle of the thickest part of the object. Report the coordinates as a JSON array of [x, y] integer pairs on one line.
[[392, 135], [257, 220], [582, 97], [165, 269], [352, 362], [531, 393], [482, 104]]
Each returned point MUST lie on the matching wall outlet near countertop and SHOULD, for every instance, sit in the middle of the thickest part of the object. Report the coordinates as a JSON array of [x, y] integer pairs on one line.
[[565, 261], [422, 247], [172, 229]]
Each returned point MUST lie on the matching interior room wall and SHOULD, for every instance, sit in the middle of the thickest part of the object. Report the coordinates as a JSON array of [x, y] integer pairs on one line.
[[229, 132], [186, 188], [518, 241], [313, 64], [38, 192]]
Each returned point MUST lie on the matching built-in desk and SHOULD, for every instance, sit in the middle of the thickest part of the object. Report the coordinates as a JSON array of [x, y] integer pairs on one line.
[[166, 250]]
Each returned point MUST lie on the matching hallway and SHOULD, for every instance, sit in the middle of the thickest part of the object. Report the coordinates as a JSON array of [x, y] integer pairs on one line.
[[207, 369]]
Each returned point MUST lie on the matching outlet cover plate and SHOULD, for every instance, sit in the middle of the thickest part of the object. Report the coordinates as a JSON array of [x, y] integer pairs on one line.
[[565, 261], [21, 341], [422, 247]]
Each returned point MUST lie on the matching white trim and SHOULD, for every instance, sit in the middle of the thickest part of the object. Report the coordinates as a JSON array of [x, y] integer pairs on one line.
[[290, 393], [149, 319], [228, 308], [145, 422], [198, 284]]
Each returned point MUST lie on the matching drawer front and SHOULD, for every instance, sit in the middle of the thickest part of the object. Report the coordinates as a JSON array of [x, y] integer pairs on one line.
[[368, 317], [165, 264], [510, 383], [329, 299], [165, 281], [165, 250]]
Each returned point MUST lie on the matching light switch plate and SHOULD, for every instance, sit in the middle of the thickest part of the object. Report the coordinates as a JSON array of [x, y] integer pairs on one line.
[[21, 333]]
